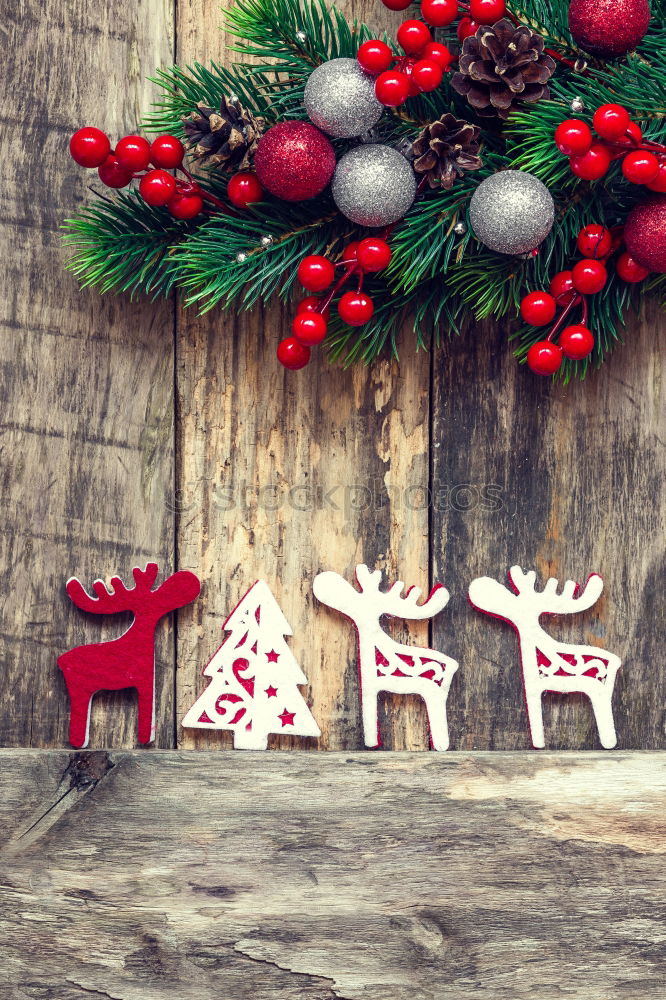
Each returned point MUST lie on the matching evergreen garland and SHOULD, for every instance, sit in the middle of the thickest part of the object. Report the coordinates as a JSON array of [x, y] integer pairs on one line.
[[440, 274]]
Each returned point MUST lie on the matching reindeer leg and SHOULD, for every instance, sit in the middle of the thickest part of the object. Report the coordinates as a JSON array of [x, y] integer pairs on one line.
[[79, 715], [535, 717], [603, 713], [437, 720], [370, 713], [146, 713]]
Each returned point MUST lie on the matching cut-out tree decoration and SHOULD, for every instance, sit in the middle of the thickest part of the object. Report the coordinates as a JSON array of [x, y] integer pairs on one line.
[[126, 662], [387, 665], [254, 678], [548, 664]]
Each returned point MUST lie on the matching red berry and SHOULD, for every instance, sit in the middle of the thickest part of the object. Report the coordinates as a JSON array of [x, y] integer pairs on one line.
[[374, 254], [589, 276], [466, 27], [397, 4], [185, 206], [157, 187], [292, 355], [375, 56], [315, 273], [439, 13], [311, 304], [573, 137], [640, 168], [89, 147], [427, 75], [544, 358], [487, 11], [633, 135], [167, 152], [412, 36], [392, 88], [133, 153], [576, 342], [659, 183], [629, 269], [538, 308], [113, 174], [593, 164], [595, 241], [562, 287], [355, 308], [438, 53], [244, 189], [611, 121], [350, 253], [309, 328], [407, 69]]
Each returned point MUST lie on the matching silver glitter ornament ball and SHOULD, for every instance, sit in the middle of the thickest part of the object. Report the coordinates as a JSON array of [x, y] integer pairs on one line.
[[373, 185], [340, 99], [512, 212]]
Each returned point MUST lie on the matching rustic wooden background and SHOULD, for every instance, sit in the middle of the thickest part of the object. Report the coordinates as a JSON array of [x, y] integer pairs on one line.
[[126, 426]]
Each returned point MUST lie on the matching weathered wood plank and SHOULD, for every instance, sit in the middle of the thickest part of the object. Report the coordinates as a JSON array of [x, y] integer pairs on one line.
[[86, 385], [211, 874], [579, 475], [333, 451]]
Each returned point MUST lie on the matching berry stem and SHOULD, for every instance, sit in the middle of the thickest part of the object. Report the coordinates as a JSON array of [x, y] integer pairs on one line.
[[326, 301], [562, 318]]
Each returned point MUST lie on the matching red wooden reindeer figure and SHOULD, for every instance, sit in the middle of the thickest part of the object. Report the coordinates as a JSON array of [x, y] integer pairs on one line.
[[126, 662]]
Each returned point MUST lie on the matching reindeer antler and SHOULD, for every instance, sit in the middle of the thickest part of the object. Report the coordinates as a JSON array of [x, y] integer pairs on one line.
[[117, 597], [391, 602], [571, 599]]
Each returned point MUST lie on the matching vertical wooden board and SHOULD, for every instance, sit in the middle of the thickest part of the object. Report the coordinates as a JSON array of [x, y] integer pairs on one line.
[[86, 385], [565, 480], [281, 475]]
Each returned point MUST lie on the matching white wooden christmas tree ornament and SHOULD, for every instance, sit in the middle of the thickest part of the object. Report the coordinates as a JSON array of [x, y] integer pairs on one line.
[[386, 665], [548, 664], [254, 678]]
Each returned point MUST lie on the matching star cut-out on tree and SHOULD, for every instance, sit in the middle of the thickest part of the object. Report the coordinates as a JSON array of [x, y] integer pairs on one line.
[[272, 657], [287, 718], [271, 692]]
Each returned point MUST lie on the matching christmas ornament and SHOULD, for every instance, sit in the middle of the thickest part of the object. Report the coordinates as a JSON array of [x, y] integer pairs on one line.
[[511, 212], [608, 28], [225, 137], [126, 662], [547, 663], [294, 161], [387, 665], [254, 678], [446, 149], [373, 185], [502, 64], [340, 99], [645, 234]]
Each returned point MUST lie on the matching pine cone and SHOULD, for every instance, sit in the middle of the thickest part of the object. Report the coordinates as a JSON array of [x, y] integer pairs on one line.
[[502, 64], [228, 136], [445, 149]]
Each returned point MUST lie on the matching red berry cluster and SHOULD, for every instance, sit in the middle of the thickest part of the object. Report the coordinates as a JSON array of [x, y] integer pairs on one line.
[[425, 61], [317, 274], [568, 289], [617, 138], [131, 159]]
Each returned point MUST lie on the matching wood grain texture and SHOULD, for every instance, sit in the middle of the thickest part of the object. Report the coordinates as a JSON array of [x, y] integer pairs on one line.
[[283, 475], [86, 385], [579, 474], [171, 875]]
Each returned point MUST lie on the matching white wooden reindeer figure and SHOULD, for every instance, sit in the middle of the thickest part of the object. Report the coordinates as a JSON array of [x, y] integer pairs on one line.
[[548, 664], [386, 665]]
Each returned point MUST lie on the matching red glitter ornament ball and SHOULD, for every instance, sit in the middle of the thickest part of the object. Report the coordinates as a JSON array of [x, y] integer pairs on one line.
[[645, 234], [608, 28], [294, 161]]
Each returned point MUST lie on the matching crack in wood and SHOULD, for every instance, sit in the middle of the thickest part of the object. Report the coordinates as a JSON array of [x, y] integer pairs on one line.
[[326, 981]]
